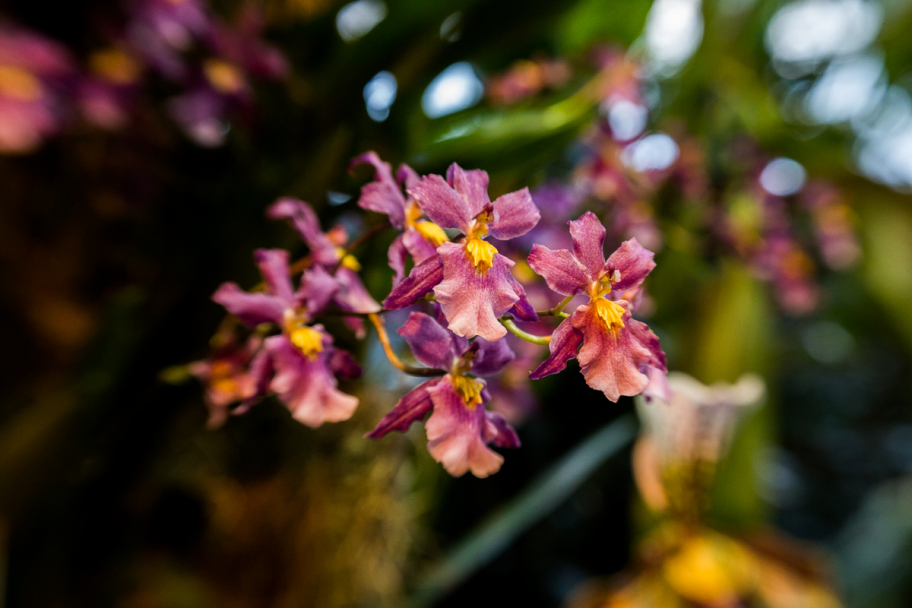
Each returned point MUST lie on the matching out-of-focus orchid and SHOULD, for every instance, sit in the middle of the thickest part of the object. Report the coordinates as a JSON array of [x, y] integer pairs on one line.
[[470, 279], [615, 350], [34, 73], [459, 428], [300, 364], [328, 255], [107, 93], [527, 78], [420, 237], [226, 375]]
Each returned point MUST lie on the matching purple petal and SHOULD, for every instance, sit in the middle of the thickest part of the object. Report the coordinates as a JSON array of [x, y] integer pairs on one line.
[[492, 357], [419, 248], [396, 257], [352, 295], [413, 406], [251, 309], [273, 265], [406, 176], [610, 360], [565, 341], [514, 215], [305, 222], [562, 271], [658, 387], [457, 435], [343, 364], [419, 283], [472, 301], [473, 185], [523, 309], [261, 370], [506, 437], [588, 236], [430, 342], [633, 262], [317, 289], [641, 332], [443, 205], [382, 195], [307, 387]]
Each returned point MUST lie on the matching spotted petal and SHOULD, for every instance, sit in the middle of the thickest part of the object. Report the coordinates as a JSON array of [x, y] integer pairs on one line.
[[564, 344], [588, 236], [471, 300], [443, 205], [458, 435], [611, 360], [420, 282], [514, 215], [633, 262], [413, 406], [562, 271]]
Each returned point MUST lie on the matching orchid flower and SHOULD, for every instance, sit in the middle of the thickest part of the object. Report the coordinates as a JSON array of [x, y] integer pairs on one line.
[[459, 428], [470, 280], [300, 364], [615, 350]]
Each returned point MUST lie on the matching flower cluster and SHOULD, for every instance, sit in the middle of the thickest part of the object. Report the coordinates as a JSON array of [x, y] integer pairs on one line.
[[622, 167], [451, 264], [209, 63]]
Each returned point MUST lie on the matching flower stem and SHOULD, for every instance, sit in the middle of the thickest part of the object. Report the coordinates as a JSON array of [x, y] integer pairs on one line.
[[511, 327], [391, 354]]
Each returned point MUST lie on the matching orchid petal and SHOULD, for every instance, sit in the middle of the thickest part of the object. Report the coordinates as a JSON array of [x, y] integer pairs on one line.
[[561, 270], [430, 342], [472, 185], [564, 344], [443, 205], [251, 309], [382, 195], [472, 301], [588, 236], [420, 282], [412, 407], [633, 262], [492, 357], [514, 215]]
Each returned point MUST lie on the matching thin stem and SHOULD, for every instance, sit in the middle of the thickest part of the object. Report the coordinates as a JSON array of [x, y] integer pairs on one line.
[[511, 327], [379, 228], [391, 354], [559, 309]]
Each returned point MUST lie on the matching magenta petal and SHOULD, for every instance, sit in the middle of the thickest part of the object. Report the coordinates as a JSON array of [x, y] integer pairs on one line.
[[413, 406], [407, 176], [419, 283], [641, 332], [343, 364], [565, 341], [273, 265], [492, 357], [506, 437], [382, 195], [317, 289], [251, 309], [418, 247], [523, 309], [562, 271], [431, 343], [473, 185], [588, 236], [299, 213], [458, 435], [514, 215], [611, 361], [396, 257], [261, 370], [658, 387], [473, 301], [633, 262], [307, 387], [443, 205], [352, 294]]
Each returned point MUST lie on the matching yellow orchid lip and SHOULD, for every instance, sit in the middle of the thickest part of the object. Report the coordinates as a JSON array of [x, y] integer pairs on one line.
[[431, 232], [18, 83], [307, 339], [469, 390], [481, 253], [611, 314]]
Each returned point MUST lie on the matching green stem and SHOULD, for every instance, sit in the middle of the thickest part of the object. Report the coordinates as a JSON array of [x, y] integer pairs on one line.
[[559, 309], [511, 327]]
